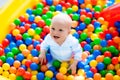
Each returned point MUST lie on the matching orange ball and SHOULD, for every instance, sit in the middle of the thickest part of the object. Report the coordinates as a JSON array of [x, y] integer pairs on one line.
[[84, 55], [109, 76], [55, 2], [16, 64], [12, 70], [101, 20], [35, 60], [118, 72], [25, 52], [44, 68], [90, 28], [82, 6], [97, 76], [97, 47], [100, 58], [60, 76], [110, 67], [30, 47], [74, 24], [82, 17], [116, 39]]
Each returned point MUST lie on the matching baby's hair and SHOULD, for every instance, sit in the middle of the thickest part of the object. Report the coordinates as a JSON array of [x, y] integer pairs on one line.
[[62, 19]]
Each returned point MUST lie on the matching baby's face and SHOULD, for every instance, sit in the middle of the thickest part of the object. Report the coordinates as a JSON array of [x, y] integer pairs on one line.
[[59, 33]]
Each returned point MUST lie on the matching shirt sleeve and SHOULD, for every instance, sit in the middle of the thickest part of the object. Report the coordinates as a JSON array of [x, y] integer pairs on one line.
[[44, 44], [77, 50]]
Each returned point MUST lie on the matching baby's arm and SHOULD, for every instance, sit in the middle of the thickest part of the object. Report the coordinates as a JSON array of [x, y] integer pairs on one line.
[[42, 56]]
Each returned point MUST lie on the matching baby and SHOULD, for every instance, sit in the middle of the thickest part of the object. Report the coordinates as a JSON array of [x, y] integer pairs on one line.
[[61, 43]]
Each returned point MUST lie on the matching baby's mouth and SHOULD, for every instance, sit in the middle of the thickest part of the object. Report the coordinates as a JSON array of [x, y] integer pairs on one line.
[[56, 37]]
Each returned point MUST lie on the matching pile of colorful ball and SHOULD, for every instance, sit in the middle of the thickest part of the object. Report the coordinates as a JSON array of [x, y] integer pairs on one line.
[[100, 42]]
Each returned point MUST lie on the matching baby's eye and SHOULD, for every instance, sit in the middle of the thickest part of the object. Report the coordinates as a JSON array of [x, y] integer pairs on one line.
[[60, 30], [53, 28]]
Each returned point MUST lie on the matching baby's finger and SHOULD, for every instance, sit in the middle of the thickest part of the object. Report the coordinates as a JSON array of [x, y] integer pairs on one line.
[[41, 61]]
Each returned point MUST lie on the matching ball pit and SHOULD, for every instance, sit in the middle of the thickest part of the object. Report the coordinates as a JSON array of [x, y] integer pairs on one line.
[[97, 33]]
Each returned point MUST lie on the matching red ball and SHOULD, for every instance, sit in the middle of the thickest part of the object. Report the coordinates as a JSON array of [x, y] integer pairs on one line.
[[89, 14], [22, 29], [44, 2], [27, 75], [27, 26], [45, 10], [75, 2], [83, 12], [115, 33], [46, 29], [5, 43], [115, 60], [38, 47], [97, 14], [83, 43], [107, 54], [62, 3], [110, 42], [28, 63], [101, 35], [1, 46], [67, 5], [20, 71], [41, 23], [22, 18], [1, 51], [1, 63], [94, 70], [18, 37]]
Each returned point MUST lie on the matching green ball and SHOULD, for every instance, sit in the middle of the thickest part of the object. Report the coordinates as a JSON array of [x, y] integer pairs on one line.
[[98, 30], [112, 49], [116, 52], [97, 8], [48, 22], [47, 78], [44, 17], [83, 36], [104, 49], [97, 41], [103, 73], [75, 17], [49, 14], [69, 10], [17, 21], [25, 35], [38, 30], [56, 64], [87, 20], [107, 60], [19, 78], [39, 5], [112, 72], [52, 8], [15, 50], [10, 54], [3, 58], [92, 44], [38, 11]]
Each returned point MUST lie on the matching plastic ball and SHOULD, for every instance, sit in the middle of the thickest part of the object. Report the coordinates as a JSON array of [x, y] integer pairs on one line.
[[34, 52], [35, 60], [56, 63], [83, 36], [99, 58], [118, 72], [93, 63], [70, 77], [115, 60], [100, 66], [22, 47], [109, 76], [5, 74], [33, 77], [75, 8], [12, 76], [81, 72], [40, 76], [25, 52], [89, 74], [27, 75], [93, 36], [6, 66], [110, 67], [49, 74], [59, 76], [43, 68], [116, 77], [33, 66], [20, 71], [63, 70], [16, 64], [97, 76], [10, 61], [19, 78], [87, 47], [107, 60], [97, 8], [75, 17], [58, 7], [103, 73], [17, 21], [12, 70], [1, 70]]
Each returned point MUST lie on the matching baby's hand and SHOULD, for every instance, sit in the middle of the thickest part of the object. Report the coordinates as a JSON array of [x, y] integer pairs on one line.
[[42, 58]]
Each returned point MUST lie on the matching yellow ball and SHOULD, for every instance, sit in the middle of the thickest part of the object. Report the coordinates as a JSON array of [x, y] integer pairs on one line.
[[64, 64], [93, 63], [63, 70], [22, 47], [5, 74], [75, 8], [34, 72], [93, 36], [117, 66], [73, 31], [34, 77], [70, 77], [1, 70], [31, 32], [12, 76], [81, 72], [89, 6], [29, 57], [102, 78], [6, 66], [49, 74], [116, 77], [23, 61], [37, 19], [104, 27], [37, 37], [15, 32], [26, 16]]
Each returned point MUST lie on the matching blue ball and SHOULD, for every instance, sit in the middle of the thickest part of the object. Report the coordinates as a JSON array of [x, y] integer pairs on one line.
[[97, 24], [52, 68], [81, 1], [49, 2], [86, 68], [20, 57], [103, 43], [53, 78], [34, 52], [82, 26], [33, 25], [40, 76], [76, 35], [19, 42], [58, 7], [87, 47], [9, 37], [35, 43], [31, 18], [88, 40], [10, 61], [12, 44], [6, 50], [100, 66], [23, 66], [29, 11], [28, 41], [22, 24], [96, 53], [49, 57], [80, 65], [117, 24], [90, 57], [89, 74], [33, 66], [108, 36]]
